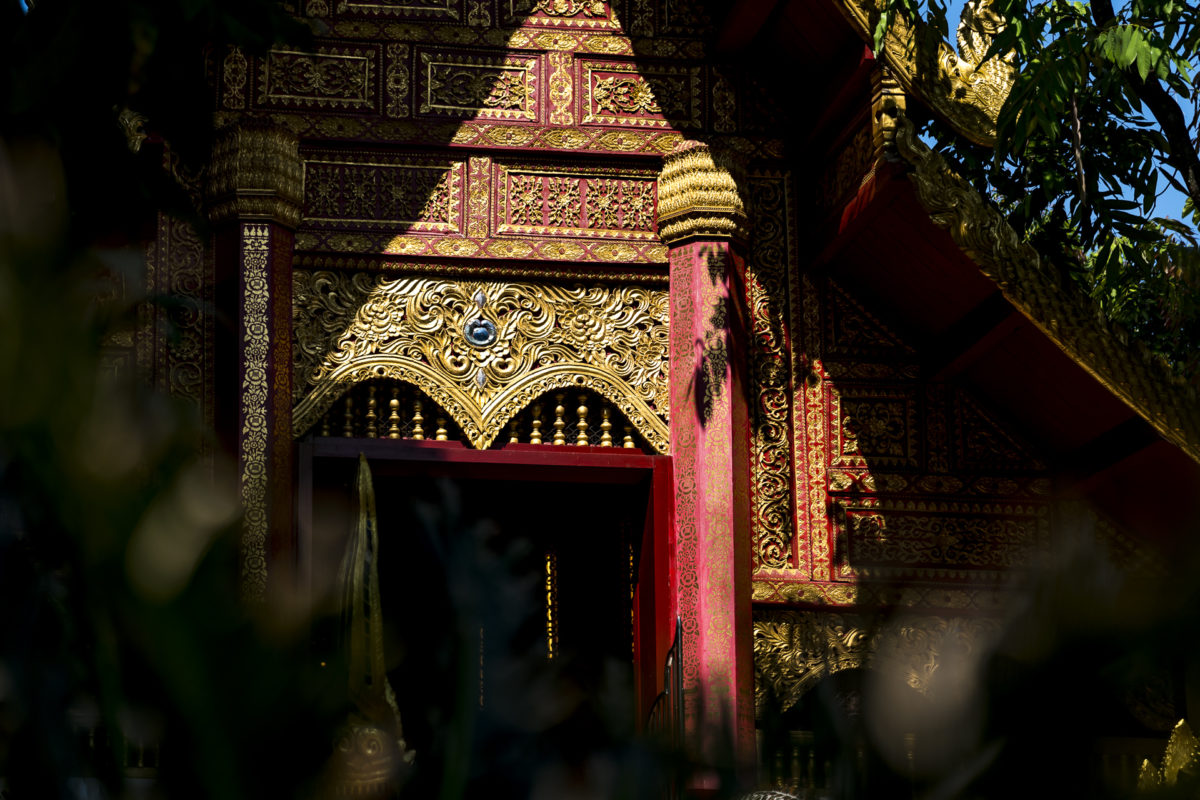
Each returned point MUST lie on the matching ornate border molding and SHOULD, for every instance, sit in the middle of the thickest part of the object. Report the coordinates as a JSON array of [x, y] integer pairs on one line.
[[256, 304]]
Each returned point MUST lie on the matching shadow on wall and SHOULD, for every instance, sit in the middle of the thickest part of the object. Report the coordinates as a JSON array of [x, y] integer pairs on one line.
[[995, 631]]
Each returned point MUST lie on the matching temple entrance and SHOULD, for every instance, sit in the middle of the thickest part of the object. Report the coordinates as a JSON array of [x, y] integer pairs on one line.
[[519, 598]]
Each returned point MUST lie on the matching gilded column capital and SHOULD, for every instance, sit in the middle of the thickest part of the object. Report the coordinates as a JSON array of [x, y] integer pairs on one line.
[[698, 196], [256, 174]]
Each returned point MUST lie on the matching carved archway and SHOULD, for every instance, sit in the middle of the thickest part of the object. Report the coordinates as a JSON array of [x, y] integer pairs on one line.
[[484, 350]]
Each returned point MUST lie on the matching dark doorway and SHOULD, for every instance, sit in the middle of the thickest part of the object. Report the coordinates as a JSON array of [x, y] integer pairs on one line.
[[511, 595]]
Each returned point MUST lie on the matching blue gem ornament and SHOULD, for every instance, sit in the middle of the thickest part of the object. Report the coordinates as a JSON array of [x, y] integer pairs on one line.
[[480, 332]]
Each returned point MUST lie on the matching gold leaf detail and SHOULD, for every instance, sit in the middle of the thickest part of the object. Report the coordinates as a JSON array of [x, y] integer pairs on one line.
[[610, 339]]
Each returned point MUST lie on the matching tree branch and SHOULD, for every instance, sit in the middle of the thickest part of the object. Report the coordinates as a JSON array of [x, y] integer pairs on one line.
[[1181, 153], [1077, 151]]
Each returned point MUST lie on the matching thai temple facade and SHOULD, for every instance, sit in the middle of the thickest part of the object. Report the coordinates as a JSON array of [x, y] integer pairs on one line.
[[786, 416]]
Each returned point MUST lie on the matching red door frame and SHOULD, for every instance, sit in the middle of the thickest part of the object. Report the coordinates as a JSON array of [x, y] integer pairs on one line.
[[654, 594]]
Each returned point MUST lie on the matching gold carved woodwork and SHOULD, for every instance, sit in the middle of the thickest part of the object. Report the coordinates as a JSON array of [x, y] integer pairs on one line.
[[770, 440], [256, 173], [437, 9], [599, 140], [483, 350], [347, 189], [576, 202], [397, 80], [794, 650], [496, 87], [331, 77], [562, 66], [928, 596], [252, 456], [1143, 381], [507, 271], [234, 73], [900, 538], [628, 94], [963, 89], [133, 125], [590, 14], [698, 196]]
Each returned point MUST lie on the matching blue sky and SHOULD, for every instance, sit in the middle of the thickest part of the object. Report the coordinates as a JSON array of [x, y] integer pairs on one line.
[[1170, 202]]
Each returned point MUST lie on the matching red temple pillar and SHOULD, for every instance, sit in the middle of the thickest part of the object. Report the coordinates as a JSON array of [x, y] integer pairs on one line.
[[702, 220], [255, 192]]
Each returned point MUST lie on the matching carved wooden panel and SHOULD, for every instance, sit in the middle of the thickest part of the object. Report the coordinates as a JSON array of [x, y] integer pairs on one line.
[[340, 78], [576, 202], [619, 93], [459, 84], [352, 190]]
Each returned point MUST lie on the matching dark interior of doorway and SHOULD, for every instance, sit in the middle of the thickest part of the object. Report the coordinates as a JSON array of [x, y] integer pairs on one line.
[[508, 623]]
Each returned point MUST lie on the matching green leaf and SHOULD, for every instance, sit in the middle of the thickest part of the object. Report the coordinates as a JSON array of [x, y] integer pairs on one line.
[[881, 29]]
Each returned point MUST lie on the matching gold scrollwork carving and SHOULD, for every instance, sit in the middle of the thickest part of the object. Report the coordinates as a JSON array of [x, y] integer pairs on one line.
[[234, 79], [256, 247], [561, 91], [397, 80], [766, 289], [794, 650], [481, 349]]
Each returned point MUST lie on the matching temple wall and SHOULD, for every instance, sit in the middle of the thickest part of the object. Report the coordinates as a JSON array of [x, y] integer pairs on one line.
[[500, 160]]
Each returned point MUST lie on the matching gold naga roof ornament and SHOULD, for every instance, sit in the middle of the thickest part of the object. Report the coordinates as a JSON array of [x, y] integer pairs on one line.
[[962, 88]]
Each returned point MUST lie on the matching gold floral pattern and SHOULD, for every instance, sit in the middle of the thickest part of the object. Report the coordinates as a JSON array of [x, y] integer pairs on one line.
[[610, 339]]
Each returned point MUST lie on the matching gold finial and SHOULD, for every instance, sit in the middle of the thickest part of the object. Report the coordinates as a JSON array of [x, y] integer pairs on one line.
[[698, 196], [513, 438], [628, 444], [535, 435], [372, 417], [325, 431], [440, 434], [581, 436], [559, 438], [394, 415], [418, 431], [348, 427], [605, 429]]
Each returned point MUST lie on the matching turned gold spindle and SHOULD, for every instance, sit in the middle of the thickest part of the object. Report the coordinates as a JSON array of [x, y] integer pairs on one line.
[[513, 435], [535, 435], [348, 426], [559, 437], [629, 445], [394, 414], [581, 436], [605, 429], [440, 434], [372, 416], [418, 431], [325, 431]]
